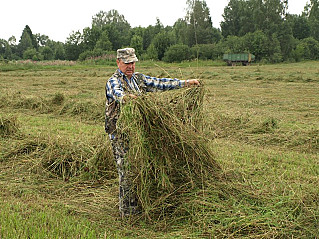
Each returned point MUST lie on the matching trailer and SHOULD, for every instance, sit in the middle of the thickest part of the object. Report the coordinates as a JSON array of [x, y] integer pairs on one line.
[[233, 59]]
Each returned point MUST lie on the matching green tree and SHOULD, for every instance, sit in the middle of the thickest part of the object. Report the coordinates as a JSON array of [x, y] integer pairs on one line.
[[268, 15], [105, 18], [59, 52], [25, 41], [158, 26], [117, 36], [137, 44], [32, 54], [200, 26], [12, 40], [161, 42], [307, 49], [116, 25], [314, 26], [314, 9], [33, 37], [206, 51], [3, 44], [256, 43], [151, 53], [103, 42], [234, 44], [8, 52], [73, 46], [90, 37], [137, 40], [14, 48], [41, 39], [95, 43], [314, 18], [311, 48], [148, 36], [139, 31], [274, 49], [180, 29], [286, 39], [244, 16], [300, 26], [298, 52], [235, 16]]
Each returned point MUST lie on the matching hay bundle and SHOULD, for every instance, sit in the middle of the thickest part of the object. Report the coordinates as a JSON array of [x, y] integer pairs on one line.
[[9, 126], [168, 154]]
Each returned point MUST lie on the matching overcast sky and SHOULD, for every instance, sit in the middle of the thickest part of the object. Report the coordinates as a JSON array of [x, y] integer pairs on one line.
[[58, 18]]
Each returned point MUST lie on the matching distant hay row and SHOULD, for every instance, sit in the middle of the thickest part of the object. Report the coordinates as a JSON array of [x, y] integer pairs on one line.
[[58, 104]]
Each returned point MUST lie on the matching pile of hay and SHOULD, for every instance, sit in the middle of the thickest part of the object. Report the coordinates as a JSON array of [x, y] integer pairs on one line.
[[9, 126], [168, 153]]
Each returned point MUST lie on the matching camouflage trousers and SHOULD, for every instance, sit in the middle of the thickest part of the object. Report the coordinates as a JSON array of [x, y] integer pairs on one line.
[[128, 202]]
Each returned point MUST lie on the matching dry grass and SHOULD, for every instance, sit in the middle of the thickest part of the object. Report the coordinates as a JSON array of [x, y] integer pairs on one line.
[[9, 126], [260, 128]]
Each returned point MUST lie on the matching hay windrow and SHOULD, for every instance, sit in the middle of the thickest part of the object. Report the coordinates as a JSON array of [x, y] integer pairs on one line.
[[59, 104], [168, 154], [65, 159]]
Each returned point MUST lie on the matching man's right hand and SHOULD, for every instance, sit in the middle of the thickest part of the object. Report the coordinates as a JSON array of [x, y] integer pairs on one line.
[[192, 82], [128, 97]]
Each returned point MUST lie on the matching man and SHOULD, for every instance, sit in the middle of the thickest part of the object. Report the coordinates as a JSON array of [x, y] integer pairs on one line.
[[127, 84]]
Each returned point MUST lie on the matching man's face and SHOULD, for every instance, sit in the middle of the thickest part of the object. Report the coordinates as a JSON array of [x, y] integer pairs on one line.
[[127, 68]]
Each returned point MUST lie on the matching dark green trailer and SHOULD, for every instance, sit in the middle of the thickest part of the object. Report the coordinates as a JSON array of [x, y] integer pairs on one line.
[[243, 58]]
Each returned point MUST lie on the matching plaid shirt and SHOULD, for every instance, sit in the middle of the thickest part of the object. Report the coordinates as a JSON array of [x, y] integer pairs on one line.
[[119, 85]]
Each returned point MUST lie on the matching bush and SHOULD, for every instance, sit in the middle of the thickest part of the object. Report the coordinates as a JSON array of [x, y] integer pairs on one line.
[[47, 53], [311, 47], [206, 51], [307, 48], [98, 55], [177, 53], [89, 54]]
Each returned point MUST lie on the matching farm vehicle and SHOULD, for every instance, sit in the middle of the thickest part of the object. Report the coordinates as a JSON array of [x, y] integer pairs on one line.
[[233, 59]]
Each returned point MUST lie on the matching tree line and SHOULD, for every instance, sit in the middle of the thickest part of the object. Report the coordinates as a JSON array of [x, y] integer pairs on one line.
[[264, 28]]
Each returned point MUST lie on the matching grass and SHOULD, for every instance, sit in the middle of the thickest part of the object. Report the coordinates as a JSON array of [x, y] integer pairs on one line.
[[18, 221], [57, 177]]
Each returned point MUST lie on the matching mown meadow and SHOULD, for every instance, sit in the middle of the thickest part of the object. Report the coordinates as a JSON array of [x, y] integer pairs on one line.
[[58, 179]]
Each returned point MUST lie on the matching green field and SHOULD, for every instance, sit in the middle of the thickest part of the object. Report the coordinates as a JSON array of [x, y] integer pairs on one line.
[[57, 178]]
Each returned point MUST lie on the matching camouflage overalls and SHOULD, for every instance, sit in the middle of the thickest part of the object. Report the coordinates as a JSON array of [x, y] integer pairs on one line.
[[128, 202], [138, 84]]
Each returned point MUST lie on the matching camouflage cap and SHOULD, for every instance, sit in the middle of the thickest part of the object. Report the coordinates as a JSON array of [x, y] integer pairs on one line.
[[127, 55]]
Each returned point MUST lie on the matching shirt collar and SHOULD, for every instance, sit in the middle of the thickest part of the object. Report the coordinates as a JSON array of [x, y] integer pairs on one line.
[[122, 74]]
